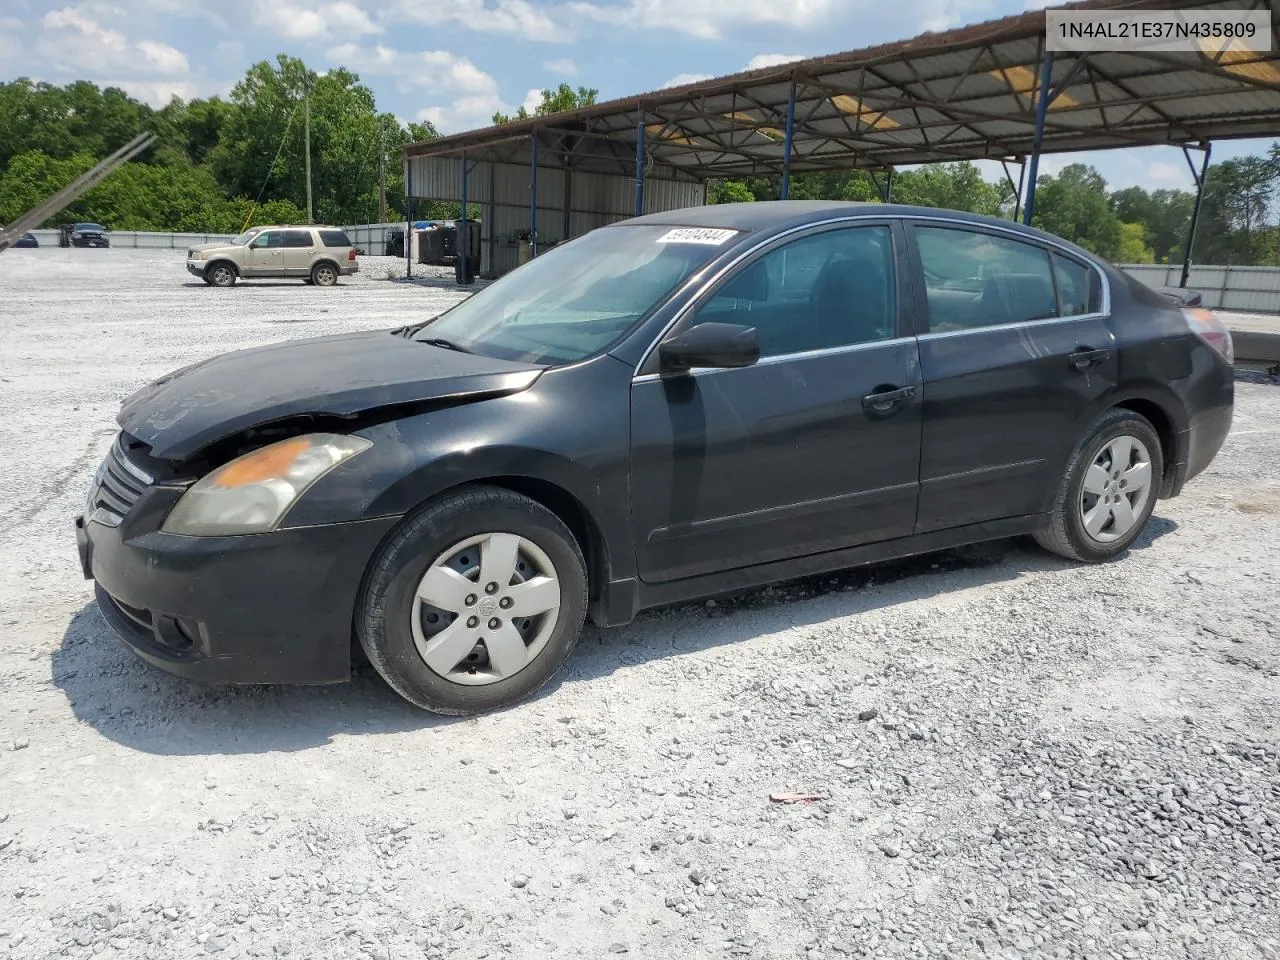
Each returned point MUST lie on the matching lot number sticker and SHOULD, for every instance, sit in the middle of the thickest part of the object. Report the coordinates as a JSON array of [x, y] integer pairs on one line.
[[712, 238]]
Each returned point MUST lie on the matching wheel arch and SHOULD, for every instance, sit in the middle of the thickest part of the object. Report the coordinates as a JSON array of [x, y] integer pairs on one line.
[[1166, 414], [223, 261], [320, 261]]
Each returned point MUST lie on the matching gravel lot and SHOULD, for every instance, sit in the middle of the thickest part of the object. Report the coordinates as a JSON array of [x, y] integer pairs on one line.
[[1016, 756]]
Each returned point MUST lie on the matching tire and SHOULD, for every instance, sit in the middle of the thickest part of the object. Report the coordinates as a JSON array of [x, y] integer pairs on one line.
[[308, 281], [1093, 467], [220, 275], [324, 274], [453, 538]]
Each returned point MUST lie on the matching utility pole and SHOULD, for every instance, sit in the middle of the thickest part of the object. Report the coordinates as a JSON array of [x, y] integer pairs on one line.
[[306, 112], [382, 171]]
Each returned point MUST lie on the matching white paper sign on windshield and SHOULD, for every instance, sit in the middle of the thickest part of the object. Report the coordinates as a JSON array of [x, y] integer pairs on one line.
[[703, 235]]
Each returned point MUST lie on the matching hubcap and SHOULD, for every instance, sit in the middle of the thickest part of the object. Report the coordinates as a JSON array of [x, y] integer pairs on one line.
[[485, 608], [1116, 488]]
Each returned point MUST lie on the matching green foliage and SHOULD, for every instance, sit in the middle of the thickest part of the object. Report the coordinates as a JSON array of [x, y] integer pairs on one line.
[[214, 158], [1133, 245], [952, 186], [728, 191], [563, 98], [1074, 205]]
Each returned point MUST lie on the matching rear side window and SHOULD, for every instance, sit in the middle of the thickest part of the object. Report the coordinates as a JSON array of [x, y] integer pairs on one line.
[[975, 280], [334, 238], [1078, 286], [297, 238]]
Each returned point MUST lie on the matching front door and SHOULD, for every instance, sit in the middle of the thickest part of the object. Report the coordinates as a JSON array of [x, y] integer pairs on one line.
[[1016, 354], [797, 454], [265, 257], [299, 251]]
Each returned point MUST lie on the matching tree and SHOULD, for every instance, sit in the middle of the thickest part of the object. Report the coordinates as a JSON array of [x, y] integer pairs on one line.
[[951, 186], [562, 98], [1133, 247], [1074, 206]]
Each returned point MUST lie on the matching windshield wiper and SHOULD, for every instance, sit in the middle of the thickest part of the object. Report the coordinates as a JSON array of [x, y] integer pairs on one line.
[[446, 344]]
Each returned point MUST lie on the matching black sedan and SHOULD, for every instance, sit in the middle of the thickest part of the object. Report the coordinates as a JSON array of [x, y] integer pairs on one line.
[[683, 404], [90, 235], [27, 240]]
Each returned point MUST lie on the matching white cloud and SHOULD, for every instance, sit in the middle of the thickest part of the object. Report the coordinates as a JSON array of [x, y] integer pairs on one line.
[[72, 40], [706, 19], [465, 113], [1168, 174], [516, 17], [163, 58], [298, 22], [532, 99], [563, 67], [762, 60], [680, 79], [10, 46], [157, 92]]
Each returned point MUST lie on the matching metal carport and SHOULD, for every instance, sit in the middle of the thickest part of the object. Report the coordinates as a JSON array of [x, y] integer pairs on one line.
[[966, 94]]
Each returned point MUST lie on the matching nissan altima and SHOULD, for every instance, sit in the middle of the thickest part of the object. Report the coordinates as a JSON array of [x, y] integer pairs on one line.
[[679, 405]]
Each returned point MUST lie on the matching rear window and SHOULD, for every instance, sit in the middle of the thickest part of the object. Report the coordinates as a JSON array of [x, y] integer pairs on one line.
[[297, 238], [334, 238]]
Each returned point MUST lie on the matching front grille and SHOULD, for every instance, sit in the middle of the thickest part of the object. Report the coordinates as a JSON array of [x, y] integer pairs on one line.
[[120, 482]]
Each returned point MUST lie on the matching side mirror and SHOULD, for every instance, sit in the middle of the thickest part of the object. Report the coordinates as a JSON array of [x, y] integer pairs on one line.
[[253, 244], [710, 345]]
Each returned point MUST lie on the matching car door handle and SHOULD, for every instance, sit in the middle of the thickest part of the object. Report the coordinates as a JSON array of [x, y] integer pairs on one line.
[[885, 401], [1086, 357]]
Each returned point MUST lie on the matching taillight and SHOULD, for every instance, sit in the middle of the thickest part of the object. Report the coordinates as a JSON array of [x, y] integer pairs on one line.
[[351, 254], [1206, 325]]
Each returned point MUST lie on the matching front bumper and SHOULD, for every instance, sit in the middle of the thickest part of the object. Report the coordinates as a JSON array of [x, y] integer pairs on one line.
[[196, 267], [267, 608]]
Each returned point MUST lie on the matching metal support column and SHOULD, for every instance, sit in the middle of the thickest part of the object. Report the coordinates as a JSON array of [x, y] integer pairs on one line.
[[640, 166], [408, 219], [888, 186], [463, 249], [1043, 96], [533, 199], [1016, 187], [787, 141], [1195, 212]]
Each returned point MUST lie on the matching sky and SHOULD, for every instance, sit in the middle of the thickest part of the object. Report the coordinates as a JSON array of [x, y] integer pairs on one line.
[[454, 62]]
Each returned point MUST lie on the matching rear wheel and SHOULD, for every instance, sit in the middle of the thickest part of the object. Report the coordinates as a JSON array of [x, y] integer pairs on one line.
[[474, 603], [324, 274], [220, 275], [1110, 488]]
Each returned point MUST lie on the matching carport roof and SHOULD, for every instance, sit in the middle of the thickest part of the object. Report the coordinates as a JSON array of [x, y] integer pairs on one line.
[[965, 94]]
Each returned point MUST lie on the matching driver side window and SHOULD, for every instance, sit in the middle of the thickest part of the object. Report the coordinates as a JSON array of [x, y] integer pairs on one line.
[[826, 290], [269, 239]]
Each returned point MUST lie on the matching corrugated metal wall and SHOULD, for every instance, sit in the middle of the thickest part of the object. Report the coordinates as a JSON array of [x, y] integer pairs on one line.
[[503, 190], [1246, 289]]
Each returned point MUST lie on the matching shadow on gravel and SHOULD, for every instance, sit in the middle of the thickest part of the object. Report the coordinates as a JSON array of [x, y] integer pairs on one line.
[[135, 705], [729, 619], [140, 707]]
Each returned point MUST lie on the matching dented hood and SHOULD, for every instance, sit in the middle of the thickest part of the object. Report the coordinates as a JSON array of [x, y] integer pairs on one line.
[[344, 375]]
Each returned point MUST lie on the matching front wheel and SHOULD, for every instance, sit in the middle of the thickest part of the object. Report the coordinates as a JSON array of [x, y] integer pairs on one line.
[[1110, 488], [474, 603], [220, 275]]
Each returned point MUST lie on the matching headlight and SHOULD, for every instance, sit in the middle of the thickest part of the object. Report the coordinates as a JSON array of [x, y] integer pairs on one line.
[[251, 493], [199, 255]]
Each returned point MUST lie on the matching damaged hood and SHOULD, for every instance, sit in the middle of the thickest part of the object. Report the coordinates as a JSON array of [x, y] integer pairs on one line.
[[344, 375]]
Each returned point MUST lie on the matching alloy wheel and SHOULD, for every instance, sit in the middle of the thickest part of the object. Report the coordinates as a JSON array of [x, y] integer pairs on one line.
[[1116, 488], [485, 608]]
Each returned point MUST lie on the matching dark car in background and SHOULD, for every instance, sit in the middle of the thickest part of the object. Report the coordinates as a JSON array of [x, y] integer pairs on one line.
[[27, 240], [90, 235], [679, 405]]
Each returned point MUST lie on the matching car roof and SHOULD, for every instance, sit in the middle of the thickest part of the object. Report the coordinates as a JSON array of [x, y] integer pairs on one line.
[[775, 215]]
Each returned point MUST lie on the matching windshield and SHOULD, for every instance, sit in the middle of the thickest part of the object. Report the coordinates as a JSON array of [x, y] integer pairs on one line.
[[86, 227], [577, 299], [246, 236]]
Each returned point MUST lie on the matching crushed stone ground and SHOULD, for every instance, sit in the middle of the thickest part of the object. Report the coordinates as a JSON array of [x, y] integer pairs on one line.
[[1016, 756]]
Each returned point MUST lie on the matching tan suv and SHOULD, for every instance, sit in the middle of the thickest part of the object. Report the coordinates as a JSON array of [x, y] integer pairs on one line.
[[312, 254]]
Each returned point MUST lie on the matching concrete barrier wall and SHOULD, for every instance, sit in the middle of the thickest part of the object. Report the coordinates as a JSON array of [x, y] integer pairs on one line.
[[1244, 289], [142, 238]]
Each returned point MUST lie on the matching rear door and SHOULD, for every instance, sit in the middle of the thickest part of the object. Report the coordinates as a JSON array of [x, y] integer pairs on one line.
[[816, 446], [265, 256], [299, 252], [1016, 353]]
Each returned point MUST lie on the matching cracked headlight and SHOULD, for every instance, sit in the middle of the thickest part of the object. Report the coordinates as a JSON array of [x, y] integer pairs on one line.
[[252, 493]]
